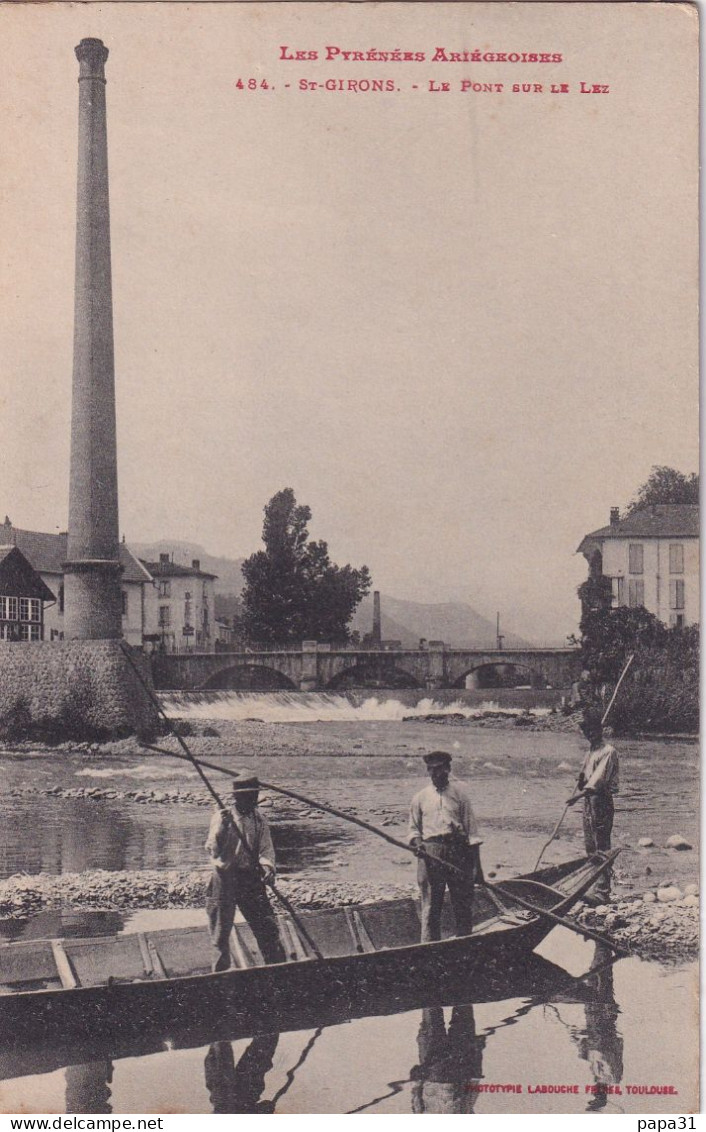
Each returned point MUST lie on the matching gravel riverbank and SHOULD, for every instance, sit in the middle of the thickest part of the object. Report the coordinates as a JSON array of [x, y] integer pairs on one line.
[[522, 779]]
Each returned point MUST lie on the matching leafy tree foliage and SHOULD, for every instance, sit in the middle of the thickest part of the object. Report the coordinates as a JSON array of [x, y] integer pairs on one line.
[[666, 485], [293, 591], [661, 690]]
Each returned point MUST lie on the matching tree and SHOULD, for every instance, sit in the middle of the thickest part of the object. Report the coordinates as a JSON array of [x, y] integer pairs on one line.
[[666, 485], [293, 591]]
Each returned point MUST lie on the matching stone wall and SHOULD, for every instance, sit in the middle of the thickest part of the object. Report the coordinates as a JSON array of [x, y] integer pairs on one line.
[[90, 682]]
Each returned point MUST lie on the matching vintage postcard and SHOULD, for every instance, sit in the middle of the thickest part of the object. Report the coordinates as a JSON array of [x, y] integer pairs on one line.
[[349, 585]]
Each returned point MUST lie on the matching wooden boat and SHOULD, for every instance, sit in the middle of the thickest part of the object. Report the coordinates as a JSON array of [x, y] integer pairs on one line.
[[161, 980], [535, 981]]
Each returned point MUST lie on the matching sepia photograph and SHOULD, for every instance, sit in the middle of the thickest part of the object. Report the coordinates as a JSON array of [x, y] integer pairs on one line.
[[349, 558]]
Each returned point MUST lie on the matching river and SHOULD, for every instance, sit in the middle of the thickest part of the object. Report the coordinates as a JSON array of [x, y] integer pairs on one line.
[[623, 1028]]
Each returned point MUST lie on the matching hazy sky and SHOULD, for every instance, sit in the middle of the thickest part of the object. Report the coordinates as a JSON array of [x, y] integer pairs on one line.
[[460, 326]]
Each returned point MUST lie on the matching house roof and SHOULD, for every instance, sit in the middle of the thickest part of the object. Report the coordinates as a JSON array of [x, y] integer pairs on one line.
[[657, 520], [174, 570], [18, 578], [47, 552]]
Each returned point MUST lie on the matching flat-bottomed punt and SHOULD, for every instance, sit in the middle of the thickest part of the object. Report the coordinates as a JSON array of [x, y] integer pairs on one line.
[[131, 983]]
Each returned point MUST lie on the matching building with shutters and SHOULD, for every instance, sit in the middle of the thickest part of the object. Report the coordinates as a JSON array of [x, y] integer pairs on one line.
[[47, 553], [181, 607], [652, 560]]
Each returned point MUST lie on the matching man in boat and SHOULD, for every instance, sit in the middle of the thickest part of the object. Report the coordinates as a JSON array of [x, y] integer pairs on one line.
[[443, 830], [598, 782], [243, 858]]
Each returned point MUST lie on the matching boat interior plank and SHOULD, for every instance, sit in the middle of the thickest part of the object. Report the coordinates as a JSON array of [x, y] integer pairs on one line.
[[95, 961], [392, 923], [183, 951], [248, 944], [27, 962]]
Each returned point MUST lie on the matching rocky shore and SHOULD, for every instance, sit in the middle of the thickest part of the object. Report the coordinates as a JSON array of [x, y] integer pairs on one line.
[[655, 906], [662, 924]]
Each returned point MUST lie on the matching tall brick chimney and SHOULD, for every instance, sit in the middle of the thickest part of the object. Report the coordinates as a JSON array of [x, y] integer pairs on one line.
[[92, 573], [614, 516], [377, 618]]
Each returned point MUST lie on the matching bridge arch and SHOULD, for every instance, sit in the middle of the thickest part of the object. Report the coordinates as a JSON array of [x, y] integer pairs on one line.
[[500, 674], [371, 676], [250, 678]]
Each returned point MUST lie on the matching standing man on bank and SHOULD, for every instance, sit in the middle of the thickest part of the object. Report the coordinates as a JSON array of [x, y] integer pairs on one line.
[[243, 858], [443, 828], [598, 782]]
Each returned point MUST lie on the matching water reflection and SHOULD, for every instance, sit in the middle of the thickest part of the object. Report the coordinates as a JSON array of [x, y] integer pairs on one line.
[[422, 1057], [450, 1062], [601, 1043], [239, 1088], [88, 1087]]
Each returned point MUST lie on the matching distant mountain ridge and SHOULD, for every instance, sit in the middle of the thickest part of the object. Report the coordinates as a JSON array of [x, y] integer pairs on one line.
[[455, 623]]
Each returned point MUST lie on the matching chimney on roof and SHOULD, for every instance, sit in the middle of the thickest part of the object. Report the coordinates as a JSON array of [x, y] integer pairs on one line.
[[196, 563], [614, 516], [164, 559]]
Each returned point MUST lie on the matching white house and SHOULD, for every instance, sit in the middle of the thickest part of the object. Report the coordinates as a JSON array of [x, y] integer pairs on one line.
[[652, 559], [47, 553], [181, 606]]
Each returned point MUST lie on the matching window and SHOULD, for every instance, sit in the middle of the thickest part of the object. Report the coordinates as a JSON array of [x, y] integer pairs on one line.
[[618, 585], [5, 632], [8, 608], [676, 593], [35, 632], [61, 598], [165, 617], [676, 620], [30, 609], [636, 592], [636, 558], [123, 602], [676, 558], [164, 588]]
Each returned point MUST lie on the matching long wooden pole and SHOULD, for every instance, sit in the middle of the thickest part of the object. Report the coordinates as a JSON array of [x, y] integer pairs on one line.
[[188, 757], [495, 890]]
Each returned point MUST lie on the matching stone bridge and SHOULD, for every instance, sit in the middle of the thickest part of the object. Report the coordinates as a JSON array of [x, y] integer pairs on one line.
[[314, 667]]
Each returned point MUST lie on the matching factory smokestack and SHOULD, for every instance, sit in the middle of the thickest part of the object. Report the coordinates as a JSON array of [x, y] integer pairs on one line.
[[92, 573], [377, 618]]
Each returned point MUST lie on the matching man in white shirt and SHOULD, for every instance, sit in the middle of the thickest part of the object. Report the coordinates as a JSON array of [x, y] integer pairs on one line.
[[243, 858], [598, 782], [442, 825]]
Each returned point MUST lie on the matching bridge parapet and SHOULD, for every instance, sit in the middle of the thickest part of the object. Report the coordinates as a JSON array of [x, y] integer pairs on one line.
[[313, 666]]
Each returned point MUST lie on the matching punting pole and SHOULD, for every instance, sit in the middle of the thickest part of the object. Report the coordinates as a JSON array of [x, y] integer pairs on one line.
[[188, 757], [497, 894], [606, 713]]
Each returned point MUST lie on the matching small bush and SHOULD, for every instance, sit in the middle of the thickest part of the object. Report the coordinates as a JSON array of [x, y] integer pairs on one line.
[[16, 722]]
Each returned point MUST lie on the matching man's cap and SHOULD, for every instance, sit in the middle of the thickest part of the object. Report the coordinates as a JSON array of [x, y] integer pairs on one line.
[[245, 782], [437, 758]]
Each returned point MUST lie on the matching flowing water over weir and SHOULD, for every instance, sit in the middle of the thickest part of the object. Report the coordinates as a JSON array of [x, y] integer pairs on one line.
[[330, 707]]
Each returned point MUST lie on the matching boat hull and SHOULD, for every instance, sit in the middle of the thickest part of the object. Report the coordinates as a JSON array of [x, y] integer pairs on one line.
[[338, 983]]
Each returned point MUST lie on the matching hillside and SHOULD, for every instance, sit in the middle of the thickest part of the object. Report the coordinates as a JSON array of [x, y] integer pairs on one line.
[[455, 623]]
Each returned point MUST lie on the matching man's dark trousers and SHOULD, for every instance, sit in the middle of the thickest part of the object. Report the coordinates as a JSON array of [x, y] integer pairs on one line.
[[232, 888], [598, 813], [434, 879]]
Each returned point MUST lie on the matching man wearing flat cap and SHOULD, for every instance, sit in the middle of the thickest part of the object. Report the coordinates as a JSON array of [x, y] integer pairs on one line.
[[243, 858], [443, 829]]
